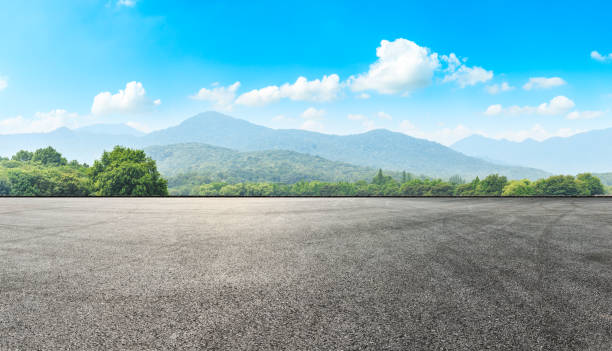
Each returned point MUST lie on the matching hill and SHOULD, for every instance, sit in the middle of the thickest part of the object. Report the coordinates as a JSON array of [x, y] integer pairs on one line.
[[222, 164], [376, 149], [584, 152]]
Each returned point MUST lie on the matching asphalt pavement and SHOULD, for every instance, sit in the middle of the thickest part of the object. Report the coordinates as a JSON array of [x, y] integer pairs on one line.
[[305, 274]]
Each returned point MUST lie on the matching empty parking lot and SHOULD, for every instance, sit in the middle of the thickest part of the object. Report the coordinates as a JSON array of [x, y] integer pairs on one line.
[[306, 274]]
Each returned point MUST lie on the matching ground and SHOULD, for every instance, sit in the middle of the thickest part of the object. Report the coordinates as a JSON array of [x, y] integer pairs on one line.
[[306, 274]]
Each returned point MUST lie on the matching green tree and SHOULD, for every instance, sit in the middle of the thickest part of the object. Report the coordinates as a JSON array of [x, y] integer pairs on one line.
[[557, 186], [492, 185], [127, 172], [521, 187], [49, 157], [591, 184], [22, 155]]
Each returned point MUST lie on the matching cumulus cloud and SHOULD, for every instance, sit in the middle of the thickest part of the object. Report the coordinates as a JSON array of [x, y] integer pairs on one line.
[[221, 97], [42, 122], [313, 113], [556, 106], [601, 58], [313, 126], [384, 115], [584, 114], [131, 100], [3, 83], [317, 90], [402, 67], [468, 76], [543, 83], [499, 88]]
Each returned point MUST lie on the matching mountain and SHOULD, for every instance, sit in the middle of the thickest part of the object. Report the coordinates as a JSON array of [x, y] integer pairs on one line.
[[584, 152], [222, 164], [377, 148], [110, 129]]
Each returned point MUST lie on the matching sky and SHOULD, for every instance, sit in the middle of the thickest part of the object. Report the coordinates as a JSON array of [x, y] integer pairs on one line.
[[437, 70]]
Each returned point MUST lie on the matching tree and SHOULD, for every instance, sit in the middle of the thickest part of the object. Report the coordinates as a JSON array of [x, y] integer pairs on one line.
[[591, 185], [22, 155], [456, 180], [557, 186], [127, 172], [381, 179], [49, 157], [492, 185], [521, 187]]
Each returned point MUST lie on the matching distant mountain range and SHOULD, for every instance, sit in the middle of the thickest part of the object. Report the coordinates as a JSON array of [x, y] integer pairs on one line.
[[280, 166], [585, 152], [375, 149]]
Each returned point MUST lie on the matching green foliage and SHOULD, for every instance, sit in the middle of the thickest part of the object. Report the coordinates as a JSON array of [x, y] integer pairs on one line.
[[22, 155], [456, 180], [492, 185], [591, 185], [559, 185], [48, 157], [127, 172], [521, 187]]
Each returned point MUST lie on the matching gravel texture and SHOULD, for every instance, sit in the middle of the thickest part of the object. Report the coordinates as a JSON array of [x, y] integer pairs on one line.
[[306, 274]]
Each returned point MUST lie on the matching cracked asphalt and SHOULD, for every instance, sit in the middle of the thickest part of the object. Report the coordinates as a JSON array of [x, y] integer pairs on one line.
[[305, 274]]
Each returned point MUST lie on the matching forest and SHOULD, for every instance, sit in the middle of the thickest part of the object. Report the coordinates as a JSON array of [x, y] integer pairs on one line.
[[129, 172]]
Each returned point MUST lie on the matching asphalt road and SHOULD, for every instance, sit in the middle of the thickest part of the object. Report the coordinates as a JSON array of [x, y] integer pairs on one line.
[[306, 274]]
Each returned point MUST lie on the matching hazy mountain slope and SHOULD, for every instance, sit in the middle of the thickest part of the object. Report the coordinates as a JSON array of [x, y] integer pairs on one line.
[[110, 129], [378, 148], [224, 164], [584, 152]]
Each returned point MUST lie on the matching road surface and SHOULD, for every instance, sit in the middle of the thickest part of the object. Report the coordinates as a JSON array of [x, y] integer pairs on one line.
[[306, 274]]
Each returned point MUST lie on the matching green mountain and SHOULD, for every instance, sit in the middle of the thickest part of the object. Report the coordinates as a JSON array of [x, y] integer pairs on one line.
[[377, 149], [182, 162]]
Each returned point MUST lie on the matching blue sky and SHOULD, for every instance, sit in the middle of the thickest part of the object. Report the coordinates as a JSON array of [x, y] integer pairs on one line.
[[154, 63]]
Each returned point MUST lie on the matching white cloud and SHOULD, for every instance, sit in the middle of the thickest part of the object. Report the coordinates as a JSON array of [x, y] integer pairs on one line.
[[222, 97], [318, 90], [356, 117], [363, 96], [402, 67], [127, 3], [384, 115], [601, 58], [556, 106], [584, 114], [313, 126], [494, 110], [42, 122], [3, 83], [131, 100], [499, 88], [543, 83], [260, 97], [468, 76], [313, 113]]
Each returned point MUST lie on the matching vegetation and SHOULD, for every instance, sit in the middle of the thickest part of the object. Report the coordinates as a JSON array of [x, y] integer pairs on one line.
[[45, 172], [381, 185], [128, 172]]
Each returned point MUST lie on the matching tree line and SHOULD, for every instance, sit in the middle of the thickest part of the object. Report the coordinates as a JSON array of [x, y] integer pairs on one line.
[[493, 185], [45, 172], [129, 172]]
